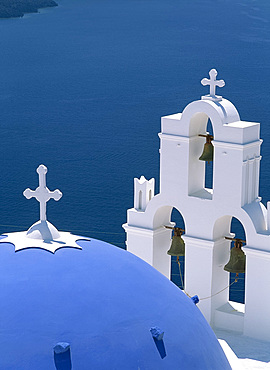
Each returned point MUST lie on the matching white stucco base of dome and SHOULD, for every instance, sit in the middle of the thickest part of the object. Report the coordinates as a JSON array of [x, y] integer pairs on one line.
[[44, 230], [24, 239]]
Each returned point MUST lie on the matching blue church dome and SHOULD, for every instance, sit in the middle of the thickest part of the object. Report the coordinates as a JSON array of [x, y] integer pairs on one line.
[[108, 305]]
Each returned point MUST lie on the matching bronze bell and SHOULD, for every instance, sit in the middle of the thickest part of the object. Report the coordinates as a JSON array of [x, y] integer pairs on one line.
[[237, 262], [208, 150], [178, 244]]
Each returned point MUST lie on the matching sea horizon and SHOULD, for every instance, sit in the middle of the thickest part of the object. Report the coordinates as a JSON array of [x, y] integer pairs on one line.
[[85, 84]]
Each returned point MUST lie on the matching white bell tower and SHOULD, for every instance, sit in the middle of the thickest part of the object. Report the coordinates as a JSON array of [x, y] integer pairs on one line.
[[207, 213]]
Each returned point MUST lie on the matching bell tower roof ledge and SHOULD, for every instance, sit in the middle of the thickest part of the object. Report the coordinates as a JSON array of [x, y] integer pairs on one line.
[[224, 117]]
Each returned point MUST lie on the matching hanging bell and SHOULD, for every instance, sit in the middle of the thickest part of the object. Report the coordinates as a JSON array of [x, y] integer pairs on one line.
[[208, 150], [178, 244], [237, 262]]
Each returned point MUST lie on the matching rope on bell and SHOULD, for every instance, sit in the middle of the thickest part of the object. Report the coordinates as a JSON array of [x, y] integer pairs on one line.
[[178, 232], [179, 265], [235, 281], [201, 299]]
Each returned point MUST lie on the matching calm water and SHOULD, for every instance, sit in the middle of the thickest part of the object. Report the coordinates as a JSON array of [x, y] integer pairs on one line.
[[83, 87]]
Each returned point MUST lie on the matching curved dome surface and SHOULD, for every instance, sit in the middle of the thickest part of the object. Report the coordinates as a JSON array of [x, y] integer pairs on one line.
[[103, 301]]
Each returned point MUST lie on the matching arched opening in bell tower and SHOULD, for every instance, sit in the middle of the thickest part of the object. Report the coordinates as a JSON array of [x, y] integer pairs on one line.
[[237, 290], [168, 244], [178, 263], [140, 199], [228, 230], [208, 178], [201, 157], [228, 290]]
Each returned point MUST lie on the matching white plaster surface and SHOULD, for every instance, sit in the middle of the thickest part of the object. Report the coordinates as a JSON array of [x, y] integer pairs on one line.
[[231, 356], [43, 230], [21, 241], [244, 353]]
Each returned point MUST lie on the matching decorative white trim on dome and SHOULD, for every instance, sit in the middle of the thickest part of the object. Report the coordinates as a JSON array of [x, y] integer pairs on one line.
[[21, 240]]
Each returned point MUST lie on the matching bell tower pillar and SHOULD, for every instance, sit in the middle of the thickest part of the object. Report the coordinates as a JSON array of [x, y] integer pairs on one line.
[[257, 322], [204, 273]]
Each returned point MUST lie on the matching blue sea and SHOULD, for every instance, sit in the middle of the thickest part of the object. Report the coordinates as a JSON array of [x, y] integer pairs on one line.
[[83, 87]]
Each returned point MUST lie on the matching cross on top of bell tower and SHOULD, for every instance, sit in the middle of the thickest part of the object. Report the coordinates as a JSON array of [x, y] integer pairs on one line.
[[213, 83]]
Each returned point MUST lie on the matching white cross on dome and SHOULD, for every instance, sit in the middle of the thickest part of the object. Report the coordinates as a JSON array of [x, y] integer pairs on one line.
[[42, 193], [42, 234]]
